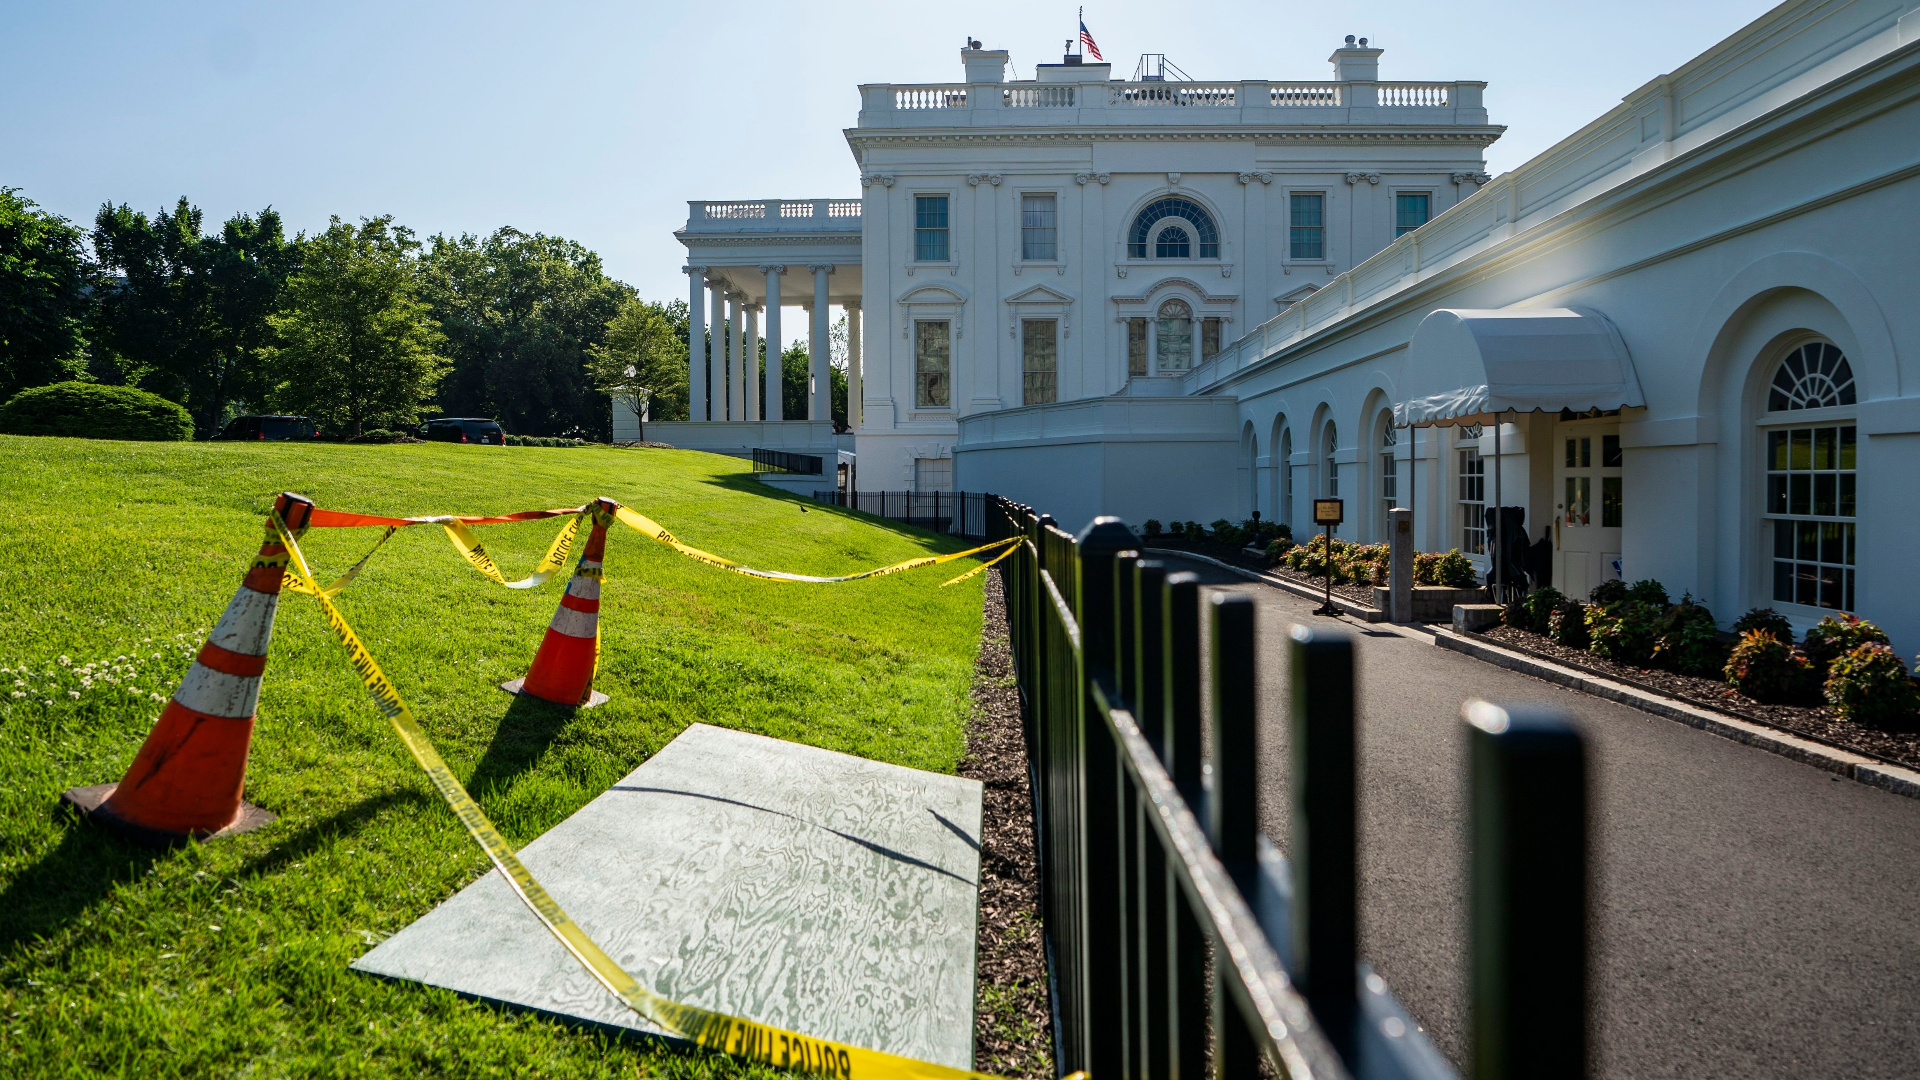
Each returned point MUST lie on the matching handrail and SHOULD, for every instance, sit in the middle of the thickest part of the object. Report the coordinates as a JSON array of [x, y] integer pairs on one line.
[[1144, 868]]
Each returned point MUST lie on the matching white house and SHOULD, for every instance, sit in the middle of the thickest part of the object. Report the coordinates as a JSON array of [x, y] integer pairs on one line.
[[1692, 322]]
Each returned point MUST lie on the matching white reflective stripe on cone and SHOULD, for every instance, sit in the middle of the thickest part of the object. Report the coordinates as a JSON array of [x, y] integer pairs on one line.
[[575, 623], [247, 624], [215, 693], [584, 587]]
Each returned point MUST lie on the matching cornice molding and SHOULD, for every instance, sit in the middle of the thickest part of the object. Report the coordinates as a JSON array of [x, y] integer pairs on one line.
[[1477, 137]]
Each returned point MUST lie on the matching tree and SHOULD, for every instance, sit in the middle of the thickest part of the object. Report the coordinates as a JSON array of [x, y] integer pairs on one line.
[[521, 313], [796, 383], [644, 358], [183, 314], [43, 296], [356, 346]]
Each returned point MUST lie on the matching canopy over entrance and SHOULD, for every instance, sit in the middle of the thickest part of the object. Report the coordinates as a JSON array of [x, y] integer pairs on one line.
[[1467, 366]]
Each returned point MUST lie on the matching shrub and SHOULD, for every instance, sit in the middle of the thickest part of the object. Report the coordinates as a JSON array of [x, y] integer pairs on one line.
[[1424, 563], [1567, 624], [1226, 532], [1625, 632], [1539, 605], [1767, 669], [1608, 592], [382, 435], [1765, 618], [543, 440], [1455, 571], [1151, 527], [1689, 640], [1835, 637], [93, 411], [1176, 529], [1196, 531], [1515, 615], [1381, 568], [1869, 685], [1278, 549], [1651, 593]]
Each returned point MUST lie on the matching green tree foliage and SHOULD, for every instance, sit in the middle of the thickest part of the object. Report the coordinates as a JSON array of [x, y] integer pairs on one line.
[[645, 348], [521, 312], [184, 314], [356, 346], [43, 296], [796, 378], [92, 411]]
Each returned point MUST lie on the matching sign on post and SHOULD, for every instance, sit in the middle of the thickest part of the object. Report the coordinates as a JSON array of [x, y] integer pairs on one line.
[[1327, 511]]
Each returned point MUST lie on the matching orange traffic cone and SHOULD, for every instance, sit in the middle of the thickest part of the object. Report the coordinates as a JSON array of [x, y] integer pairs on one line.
[[186, 780], [562, 670]]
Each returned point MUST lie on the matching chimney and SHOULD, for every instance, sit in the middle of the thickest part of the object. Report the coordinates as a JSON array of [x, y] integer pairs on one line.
[[1355, 62], [984, 65]]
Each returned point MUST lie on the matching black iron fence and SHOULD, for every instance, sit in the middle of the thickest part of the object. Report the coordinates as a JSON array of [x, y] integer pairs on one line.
[[962, 513], [1152, 862], [783, 462]]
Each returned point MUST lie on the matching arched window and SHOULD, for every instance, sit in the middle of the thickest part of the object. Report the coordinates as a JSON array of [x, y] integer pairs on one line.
[[1389, 470], [1811, 497], [1173, 244], [1177, 207], [1175, 333], [1286, 475], [1329, 468]]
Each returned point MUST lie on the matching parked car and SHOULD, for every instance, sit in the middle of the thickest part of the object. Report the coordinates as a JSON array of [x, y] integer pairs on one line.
[[269, 428], [464, 429]]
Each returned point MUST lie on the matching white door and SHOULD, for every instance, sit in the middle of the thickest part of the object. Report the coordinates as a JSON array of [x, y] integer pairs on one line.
[[1587, 504]]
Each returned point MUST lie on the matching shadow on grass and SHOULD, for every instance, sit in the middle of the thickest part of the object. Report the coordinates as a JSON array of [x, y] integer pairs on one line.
[[524, 734], [80, 871], [743, 483], [316, 834]]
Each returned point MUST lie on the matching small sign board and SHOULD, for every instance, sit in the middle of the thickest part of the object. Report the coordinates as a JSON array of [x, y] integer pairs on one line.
[[1327, 511]]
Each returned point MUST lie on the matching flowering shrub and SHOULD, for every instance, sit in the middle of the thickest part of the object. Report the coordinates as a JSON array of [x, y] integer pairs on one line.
[[1539, 606], [1835, 637], [1689, 640], [1625, 632], [1765, 618], [1567, 624], [1455, 571], [1767, 669], [1869, 685]]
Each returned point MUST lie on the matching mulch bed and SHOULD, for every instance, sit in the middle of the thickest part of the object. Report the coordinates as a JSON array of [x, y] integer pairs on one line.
[[1815, 722], [1013, 1028], [1233, 556]]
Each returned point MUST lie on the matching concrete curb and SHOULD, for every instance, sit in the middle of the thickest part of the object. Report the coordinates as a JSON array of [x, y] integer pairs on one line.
[[1866, 770], [1346, 606]]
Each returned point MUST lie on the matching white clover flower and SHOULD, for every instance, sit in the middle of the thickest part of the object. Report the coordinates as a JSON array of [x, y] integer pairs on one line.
[[74, 694], [48, 704], [66, 661], [156, 697], [19, 693], [19, 682]]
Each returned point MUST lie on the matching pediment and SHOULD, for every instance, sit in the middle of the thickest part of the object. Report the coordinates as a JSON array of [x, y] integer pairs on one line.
[[1039, 294], [934, 292]]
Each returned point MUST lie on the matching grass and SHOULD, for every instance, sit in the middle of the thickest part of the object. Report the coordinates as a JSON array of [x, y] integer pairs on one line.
[[230, 958]]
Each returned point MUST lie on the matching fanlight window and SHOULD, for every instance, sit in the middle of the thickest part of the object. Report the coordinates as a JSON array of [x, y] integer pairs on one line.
[[1173, 244], [1813, 376], [1174, 206]]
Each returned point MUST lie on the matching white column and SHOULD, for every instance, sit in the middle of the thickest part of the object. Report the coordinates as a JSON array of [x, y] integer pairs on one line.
[[822, 346], [813, 350], [717, 365], [736, 357], [773, 272], [753, 361], [696, 345], [853, 364]]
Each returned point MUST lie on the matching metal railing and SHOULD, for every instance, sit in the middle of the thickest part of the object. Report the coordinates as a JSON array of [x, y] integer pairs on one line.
[[1151, 863], [781, 461], [961, 513]]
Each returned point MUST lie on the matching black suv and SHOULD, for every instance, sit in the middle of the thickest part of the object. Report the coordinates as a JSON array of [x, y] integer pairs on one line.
[[466, 429], [269, 428]]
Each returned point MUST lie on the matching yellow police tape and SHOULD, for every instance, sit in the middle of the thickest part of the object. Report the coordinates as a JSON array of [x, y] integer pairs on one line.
[[651, 529], [550, 564], [705, 1028]]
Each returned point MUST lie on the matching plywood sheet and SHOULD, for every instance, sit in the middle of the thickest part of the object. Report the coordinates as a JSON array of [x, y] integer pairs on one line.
[[791, 885]]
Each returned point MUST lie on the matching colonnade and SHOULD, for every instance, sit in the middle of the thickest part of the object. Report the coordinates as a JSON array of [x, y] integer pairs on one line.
[[719, 363]]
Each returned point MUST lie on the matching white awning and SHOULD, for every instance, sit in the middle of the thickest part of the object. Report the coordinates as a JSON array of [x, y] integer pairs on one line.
[[1468, 366]]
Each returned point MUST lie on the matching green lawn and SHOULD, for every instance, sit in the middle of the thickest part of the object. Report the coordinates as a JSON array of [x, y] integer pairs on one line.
[[230, 959]]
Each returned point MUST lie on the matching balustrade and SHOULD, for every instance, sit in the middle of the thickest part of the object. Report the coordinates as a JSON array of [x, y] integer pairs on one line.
[[1038, 97], [1429, 94], [929, 97]]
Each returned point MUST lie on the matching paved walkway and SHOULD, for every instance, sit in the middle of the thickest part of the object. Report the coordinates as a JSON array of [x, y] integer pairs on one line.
[[1754, 917]]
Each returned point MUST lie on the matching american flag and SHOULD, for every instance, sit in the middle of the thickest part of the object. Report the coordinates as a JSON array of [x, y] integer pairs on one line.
[[1086, 40]]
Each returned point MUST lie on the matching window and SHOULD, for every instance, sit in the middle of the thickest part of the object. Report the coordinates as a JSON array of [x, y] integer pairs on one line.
[[1329, 468], [1039, 361], [1189, 211], [1811, 492], [1473, 493], [1389, 470], [930, 363], [1209, 338], [1286, 475], [1410, 211], [932, 474], [1307, 232], [1136, 346], [1039, 233], [1175, 336], [1173, 244], [930, 228]]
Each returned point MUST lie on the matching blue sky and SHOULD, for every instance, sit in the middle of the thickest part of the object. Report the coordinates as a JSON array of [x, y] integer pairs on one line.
[[597, 121]]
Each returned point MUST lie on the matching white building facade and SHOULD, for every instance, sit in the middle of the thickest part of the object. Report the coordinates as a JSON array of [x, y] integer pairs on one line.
[[1692, 323]]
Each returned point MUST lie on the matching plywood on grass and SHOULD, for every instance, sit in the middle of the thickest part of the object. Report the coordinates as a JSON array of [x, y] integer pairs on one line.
[[787, 884]]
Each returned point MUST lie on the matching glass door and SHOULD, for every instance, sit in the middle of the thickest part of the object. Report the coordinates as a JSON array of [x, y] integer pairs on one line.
[[1587, 479]]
